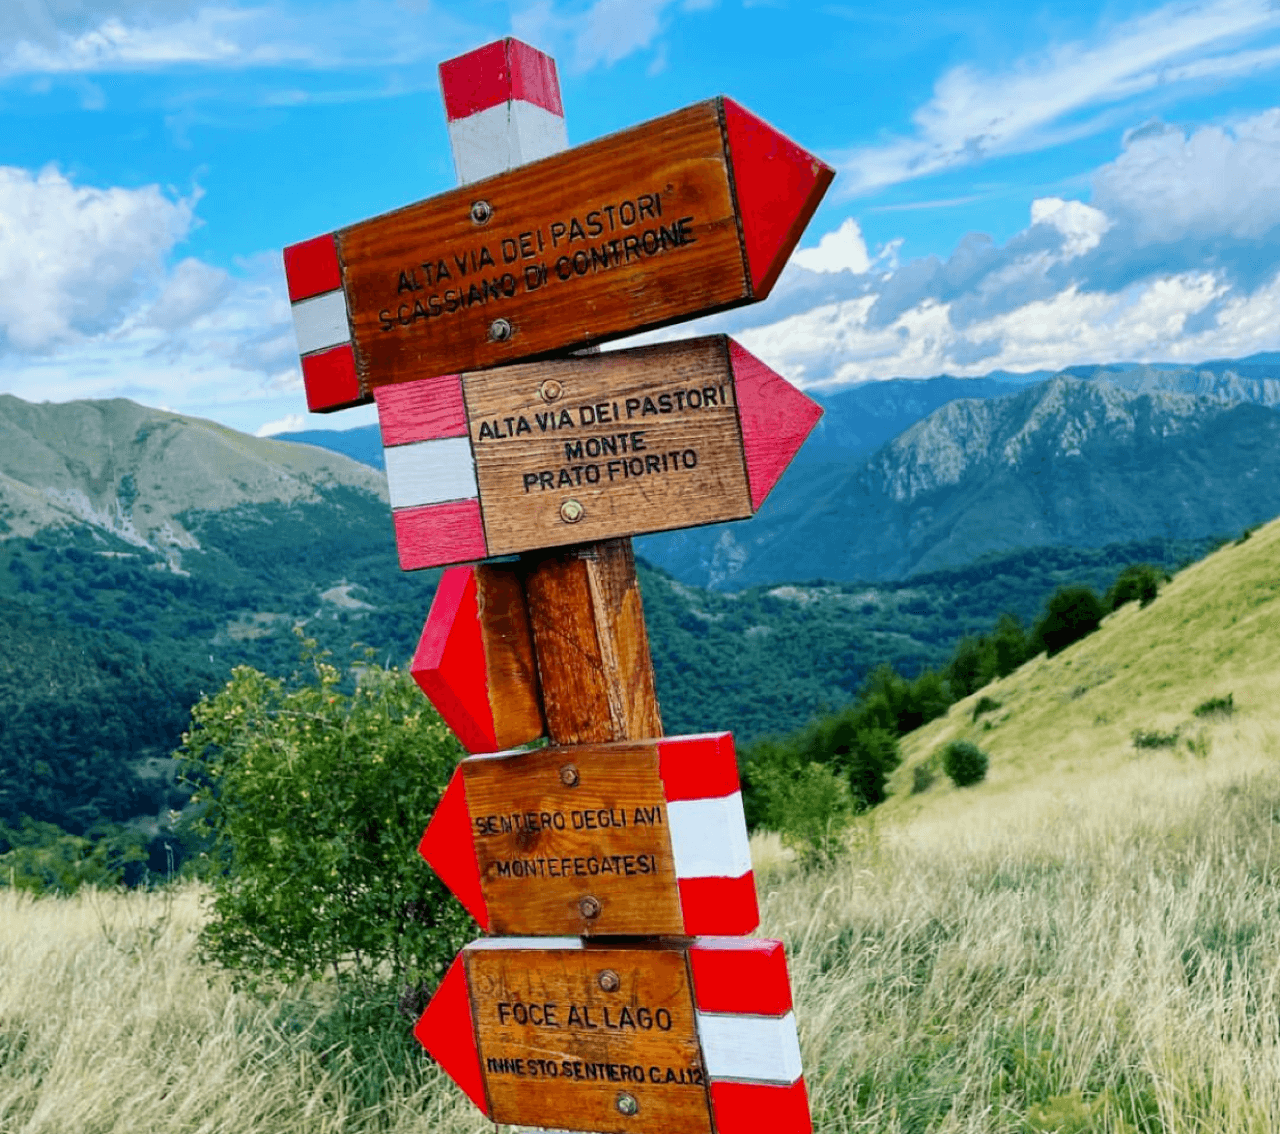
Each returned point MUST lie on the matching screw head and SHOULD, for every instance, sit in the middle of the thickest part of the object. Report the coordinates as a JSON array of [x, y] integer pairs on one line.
[[550, 390], [569, 776], [500, 331], [571, 511], [627, 1104], [481, 212], [609, 981], [589, 907]]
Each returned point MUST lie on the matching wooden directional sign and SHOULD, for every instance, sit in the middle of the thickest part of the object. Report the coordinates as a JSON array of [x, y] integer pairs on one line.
[[587, 448], [687, 214], [599, 839], [659, 1040]]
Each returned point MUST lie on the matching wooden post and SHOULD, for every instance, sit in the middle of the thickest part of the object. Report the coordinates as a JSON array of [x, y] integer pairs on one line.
[[596, 673]]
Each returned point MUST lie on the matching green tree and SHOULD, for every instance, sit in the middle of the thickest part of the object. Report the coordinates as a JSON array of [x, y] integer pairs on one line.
[[1070, 614], [310, 803], [964, 762], [1138, 581]]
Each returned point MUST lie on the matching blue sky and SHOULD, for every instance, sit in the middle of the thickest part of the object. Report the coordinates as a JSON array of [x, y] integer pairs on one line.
[[1020, 186]]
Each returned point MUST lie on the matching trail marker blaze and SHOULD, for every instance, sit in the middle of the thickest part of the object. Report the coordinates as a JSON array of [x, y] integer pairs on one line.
[[594, 447], [687, 214], [555, 1032], [622, 839]]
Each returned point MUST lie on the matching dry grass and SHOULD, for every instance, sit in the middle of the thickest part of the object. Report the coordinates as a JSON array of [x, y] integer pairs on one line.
[[109, 1025], [1087, 942]]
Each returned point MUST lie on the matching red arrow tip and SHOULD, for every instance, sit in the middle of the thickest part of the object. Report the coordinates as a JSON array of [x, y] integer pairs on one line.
[[778, 186], [448, 1032], [775, 416], [449, 665], [450, 851]]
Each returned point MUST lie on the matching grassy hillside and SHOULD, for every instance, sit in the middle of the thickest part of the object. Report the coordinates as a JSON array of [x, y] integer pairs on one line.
[[1213, 632], [1086, 943]]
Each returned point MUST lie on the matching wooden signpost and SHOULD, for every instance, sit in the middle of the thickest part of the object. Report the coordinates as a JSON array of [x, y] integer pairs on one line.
[[684, 1039], [684, 215], [589, 448], [626, 999], [623, 839]]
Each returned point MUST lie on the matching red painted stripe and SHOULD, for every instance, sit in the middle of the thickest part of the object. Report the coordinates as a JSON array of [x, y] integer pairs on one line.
[[446, 1029], [450, 851], [749, 1108], [719, 905], [698, 767], [435, 535], [775, 417], [497, 73], [331, 381], [778, 186], [449, 664], [740, 974], [312, 267], [421, 411]]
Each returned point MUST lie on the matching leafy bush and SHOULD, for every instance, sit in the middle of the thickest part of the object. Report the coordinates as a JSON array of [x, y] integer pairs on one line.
[[310, 802], [985, 705], [1154, 738], [812, 811], [1138, 581], [964, 762], [1071, 613], [42, 858], [923, 776], [1216, 707]]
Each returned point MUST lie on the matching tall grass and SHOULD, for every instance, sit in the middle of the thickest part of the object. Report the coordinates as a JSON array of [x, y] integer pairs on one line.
[[109, 1025], [1098, 958]]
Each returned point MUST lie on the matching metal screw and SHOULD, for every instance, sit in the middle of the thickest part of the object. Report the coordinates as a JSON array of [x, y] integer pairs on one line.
[[499, 331], [589, 907], [481, 211], [609, 981], [569, 776], [550, 390], [571, 511], [627, 1104]]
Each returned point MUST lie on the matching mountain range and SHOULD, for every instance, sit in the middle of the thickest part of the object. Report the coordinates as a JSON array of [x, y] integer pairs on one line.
[[916, 475]]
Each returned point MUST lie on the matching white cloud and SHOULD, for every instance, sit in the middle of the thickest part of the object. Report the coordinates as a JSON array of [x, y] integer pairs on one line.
[[1081, 225], [73, 259], [841, 251], [1039, 101], [290, 423], [604, 33]]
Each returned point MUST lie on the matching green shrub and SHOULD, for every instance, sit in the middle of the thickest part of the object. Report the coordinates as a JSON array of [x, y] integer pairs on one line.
[[1154, 738], [923, 776], [1216, 707], [964, 762], [310, 802], [811, 811], [1070, 614], [1138, 581], [985, 705]]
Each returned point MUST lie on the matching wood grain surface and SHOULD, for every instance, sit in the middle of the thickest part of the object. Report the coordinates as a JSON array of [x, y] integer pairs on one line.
[[591, 643], [589, 1046], [544, 845], [635, 230], [511, 671], [632, 441]]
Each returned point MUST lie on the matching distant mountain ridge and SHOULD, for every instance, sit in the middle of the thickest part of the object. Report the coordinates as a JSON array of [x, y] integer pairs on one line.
[[134, 473], [797, 532]]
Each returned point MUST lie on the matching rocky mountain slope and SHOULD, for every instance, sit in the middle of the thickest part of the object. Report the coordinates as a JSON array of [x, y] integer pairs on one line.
[[139, 475]]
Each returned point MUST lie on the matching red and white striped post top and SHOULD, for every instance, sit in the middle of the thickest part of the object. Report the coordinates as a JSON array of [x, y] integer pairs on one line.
[[502, 102]]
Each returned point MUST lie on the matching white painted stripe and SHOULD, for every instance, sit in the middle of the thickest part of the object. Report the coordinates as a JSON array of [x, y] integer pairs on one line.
[[709, 837], [526, 943], [321, 321], [764, 1049], [503, 137], [430, 472]]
